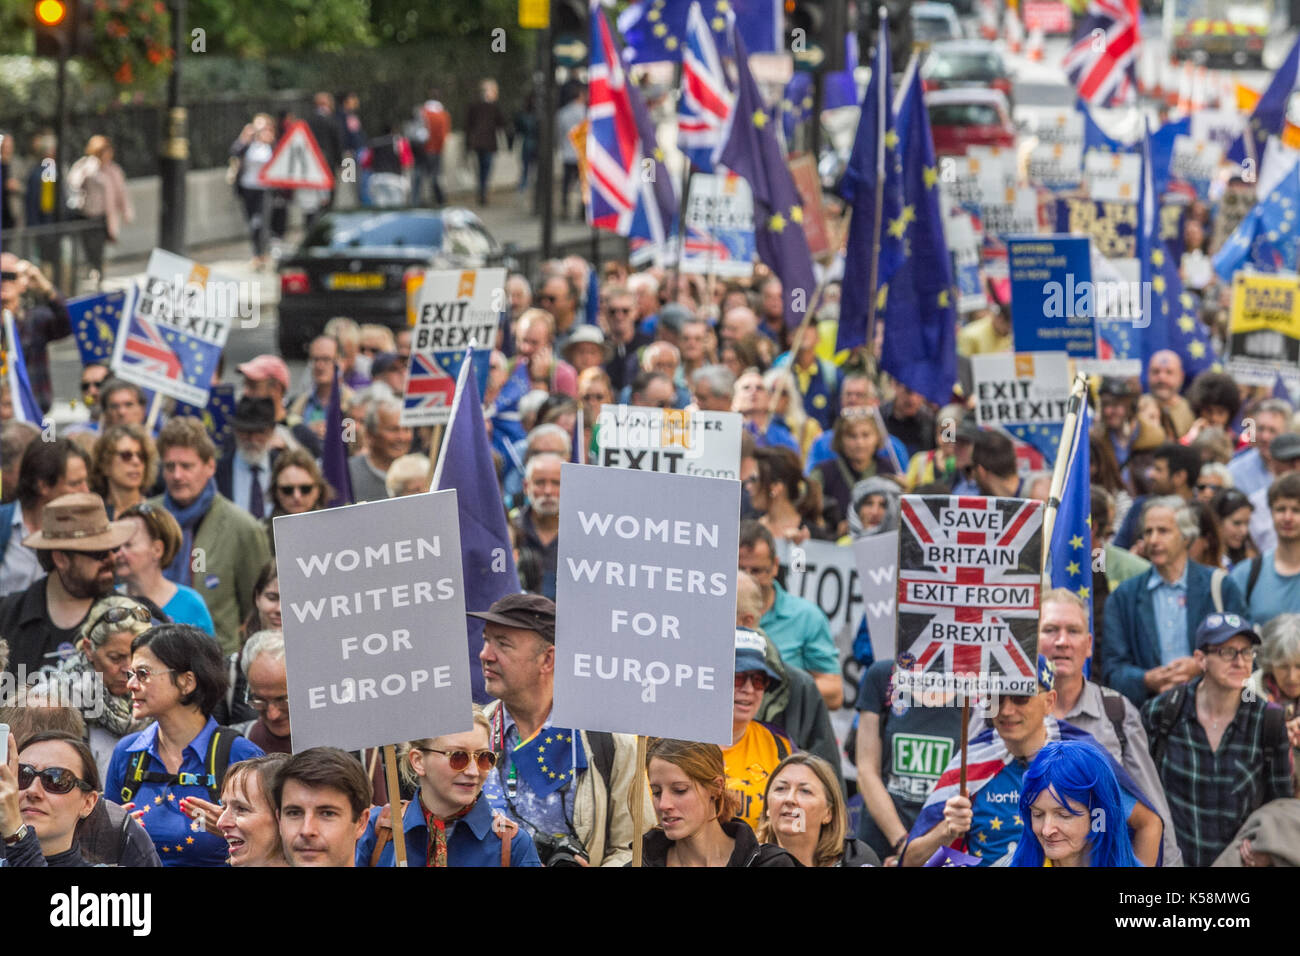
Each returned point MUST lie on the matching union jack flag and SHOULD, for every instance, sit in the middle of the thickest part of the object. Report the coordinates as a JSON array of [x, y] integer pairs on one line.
[[431, 382], [706, 97], [625, 198], [148, 350], [968, 587], [1102, 63]]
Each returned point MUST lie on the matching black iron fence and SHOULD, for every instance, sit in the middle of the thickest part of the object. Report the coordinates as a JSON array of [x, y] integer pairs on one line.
[[63, 250]]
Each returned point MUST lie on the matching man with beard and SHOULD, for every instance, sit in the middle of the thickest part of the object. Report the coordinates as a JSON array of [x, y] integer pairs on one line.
[[76, 547], [538, 522]]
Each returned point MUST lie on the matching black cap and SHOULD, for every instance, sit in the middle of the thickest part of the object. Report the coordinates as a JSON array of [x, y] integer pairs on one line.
[[532, 612], [253, 415], [1285, 447]]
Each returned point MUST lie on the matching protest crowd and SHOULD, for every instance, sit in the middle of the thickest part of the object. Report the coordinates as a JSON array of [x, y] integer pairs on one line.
[[1148, 676]]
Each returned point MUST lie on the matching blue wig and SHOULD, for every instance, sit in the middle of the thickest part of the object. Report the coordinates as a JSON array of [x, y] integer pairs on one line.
[[1080, 772]]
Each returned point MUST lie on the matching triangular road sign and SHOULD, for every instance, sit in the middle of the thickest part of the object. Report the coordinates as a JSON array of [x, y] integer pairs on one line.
[[297, 163]]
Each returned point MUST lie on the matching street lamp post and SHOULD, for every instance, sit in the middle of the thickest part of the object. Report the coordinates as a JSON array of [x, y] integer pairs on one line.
[[175, 152]]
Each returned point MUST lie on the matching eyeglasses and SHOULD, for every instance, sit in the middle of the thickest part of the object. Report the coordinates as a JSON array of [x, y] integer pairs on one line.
[[53, 779], [120, 613], [263, 704], [99, 556], [370, 350], [127, 456], [87, 386], [1230, 654], [458, 760], [289, 490], [757, 678], [614, 311], [546, 298], [142, 675], [1207, 486]]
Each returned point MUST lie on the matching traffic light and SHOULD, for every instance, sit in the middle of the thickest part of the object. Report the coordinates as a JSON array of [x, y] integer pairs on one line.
[[64, 28], [816, 30]]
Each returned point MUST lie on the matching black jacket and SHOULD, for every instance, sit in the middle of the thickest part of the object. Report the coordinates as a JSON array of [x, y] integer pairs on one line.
[[748, 852], [325, 128], [857, 853]]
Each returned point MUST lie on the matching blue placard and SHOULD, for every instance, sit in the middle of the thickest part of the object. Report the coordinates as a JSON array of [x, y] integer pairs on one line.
[[1051, 295]]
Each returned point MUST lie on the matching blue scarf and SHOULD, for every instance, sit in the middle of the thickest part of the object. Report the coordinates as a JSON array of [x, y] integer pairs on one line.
[[179, 571]]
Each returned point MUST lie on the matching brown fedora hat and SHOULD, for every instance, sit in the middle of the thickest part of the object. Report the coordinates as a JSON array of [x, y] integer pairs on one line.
[[78, 522]]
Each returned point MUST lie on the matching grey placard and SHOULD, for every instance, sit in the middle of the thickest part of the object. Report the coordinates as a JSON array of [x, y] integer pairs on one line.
[[646, 603], [374, 622], [877, 558]]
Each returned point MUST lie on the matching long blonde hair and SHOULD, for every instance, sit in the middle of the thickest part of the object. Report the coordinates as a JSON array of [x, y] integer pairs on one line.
[[830, 843]]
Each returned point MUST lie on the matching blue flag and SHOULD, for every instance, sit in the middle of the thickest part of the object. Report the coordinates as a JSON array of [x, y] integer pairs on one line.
[[1269, 237], [217, 416], [1069, 553], [485, 550], [920, 342], [14, 369], [334, 456], [750, 150], [95, 320], [654, 31], [1094, 137], [1269, 115], [1162, 152], [840, 89], [549, 759], [590, 305], [874, 160]]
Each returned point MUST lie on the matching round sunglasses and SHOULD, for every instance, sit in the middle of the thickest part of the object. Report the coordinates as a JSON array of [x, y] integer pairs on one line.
[[458, 760], [53, 779]]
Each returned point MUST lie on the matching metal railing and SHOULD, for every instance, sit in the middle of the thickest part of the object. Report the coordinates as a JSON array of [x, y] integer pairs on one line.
[[59, 249]]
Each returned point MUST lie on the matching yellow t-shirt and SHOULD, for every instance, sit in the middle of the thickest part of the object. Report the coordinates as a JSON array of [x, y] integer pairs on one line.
[[749, 762]]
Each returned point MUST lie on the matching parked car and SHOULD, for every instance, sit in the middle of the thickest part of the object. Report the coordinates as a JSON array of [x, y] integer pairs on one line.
[[962, 118], [356, 262], [966, 63], [934, 22]]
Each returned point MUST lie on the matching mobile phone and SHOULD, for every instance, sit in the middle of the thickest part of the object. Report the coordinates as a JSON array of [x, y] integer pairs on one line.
[[4, 744]]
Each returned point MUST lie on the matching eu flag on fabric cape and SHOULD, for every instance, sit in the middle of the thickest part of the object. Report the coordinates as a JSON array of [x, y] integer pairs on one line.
[[1069, 553], [654, 31], [751, 151], [465, 463], [548, 760], [875, 159], [920, 341], [1269, 237]]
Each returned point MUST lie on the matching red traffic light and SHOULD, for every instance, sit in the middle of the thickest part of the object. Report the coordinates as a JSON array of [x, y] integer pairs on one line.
[[51, 13]]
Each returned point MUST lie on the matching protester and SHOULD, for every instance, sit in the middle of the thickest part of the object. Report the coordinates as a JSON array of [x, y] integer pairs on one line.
[[121, 403], [792, 505], [754, 401], [909, 419], [582, 813], [993, 466], [1270, 582], [244, 471], [46, 790], [787, 407], [696, 812], [247, 821], [1250, 469], [1070, 796], [538, 522], [1219, 755], [311, 407], [409, 475], [235, 709], [1234, 510], [15, 437], [76, 547], [448, 823], [176, 680], [321, 796], [37, 325], [857, 444], [483, 121], [756, 748], [1165, 383], [1152, 618], [804, 814], [97, 192], [222, 546], [48, 470], [125, 467], [297, 487], [1174, 471], [155, 539]]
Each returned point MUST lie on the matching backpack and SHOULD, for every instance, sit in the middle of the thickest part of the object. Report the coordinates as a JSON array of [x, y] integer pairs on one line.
[[1166, 716], [217, 760], [1112, 702], [1256, 565]]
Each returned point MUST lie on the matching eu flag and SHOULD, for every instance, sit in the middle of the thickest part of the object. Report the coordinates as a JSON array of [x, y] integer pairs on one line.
[[95, 319], [218, 414], [1269, 115], [873, 165], [1094, 137], [334, 456], [920, 342], [1269, 237], [548, 760], [654, 31], [750, 150], [485, 551], [13, 375], [1069, 553]]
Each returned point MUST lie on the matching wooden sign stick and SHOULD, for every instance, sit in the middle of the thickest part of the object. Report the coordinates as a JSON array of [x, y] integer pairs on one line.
[[395, 803]]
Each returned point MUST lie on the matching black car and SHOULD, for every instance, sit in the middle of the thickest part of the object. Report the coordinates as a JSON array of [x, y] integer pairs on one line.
[[355, 263]]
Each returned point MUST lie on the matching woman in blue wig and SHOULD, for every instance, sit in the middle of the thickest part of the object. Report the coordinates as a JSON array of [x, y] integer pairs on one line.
[[1073, 802]]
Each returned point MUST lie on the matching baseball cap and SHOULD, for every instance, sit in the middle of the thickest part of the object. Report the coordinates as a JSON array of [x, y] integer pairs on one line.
[[751, 653], [266, 366], [531, 612], [1285, 447], [385, 362], [1218, 628]]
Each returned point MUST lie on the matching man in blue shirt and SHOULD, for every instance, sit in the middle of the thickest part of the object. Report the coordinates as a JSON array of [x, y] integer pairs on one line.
[[795, 625], [1271, 582], [1250, 469]]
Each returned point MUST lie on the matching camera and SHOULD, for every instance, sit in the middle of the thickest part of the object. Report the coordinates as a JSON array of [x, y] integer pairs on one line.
[[559, 850]]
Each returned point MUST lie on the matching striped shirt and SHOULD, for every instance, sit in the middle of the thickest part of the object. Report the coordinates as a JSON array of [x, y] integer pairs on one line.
[[1212, 792]]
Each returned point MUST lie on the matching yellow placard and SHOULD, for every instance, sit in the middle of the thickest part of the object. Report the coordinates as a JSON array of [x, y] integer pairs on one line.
[[1266, 302]]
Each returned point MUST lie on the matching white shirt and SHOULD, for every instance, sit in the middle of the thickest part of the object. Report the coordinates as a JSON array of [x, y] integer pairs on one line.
[[241, 482]]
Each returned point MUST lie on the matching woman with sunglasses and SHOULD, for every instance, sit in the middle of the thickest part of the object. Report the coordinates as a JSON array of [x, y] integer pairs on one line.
[[140, 563], [124, 467], [448, 823], [177, 678], [101, 667], [297, 486], [756, 747], [45, 791]]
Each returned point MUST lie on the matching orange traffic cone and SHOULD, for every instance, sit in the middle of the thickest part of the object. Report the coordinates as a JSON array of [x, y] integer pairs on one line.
[[1200, 89], [988, 19], [1170, 82], [1184, 105], [1015, 33], [1035, 48]]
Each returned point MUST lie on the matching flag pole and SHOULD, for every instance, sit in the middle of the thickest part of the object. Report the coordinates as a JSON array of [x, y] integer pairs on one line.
[[1060, 471], [638, 800], [872, 291]]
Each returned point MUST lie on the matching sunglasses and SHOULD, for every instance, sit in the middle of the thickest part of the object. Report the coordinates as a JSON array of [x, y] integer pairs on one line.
[[8, 276], [129, 456], [369, 350], [289, 490], [1208, 486], [87, 386], [546, 298], [458, 760], [116, 615], [99, 556], [53, 779], [757, 678]]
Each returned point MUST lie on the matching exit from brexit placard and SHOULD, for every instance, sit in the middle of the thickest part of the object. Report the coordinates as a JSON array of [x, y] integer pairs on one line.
[[1052, 307]]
